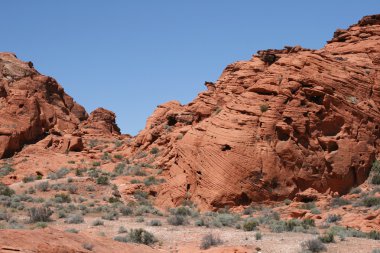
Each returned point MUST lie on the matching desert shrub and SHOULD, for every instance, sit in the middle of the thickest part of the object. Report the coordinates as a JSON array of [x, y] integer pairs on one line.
[[88, 246], [140, 219], [98, 222], [289, 226], [120, 238], [112, 215], [370, 201], [72, 230], [356, 190], [269, 217], [210, 240], [74, 219], [306, 223], [96, 164], [141, 236], [250, 225], [135, 170], [177, 220], [151, 181], [336, 202], [106, 156], [258, 236], [327, 237], [313, 245], [73, 189], [5, 190], [135, 181], [331, 218], [118, 157], [5, 170], [43, 186], [103, 180], [287, 202], [122, 230], [226, 219], [264, 107], [140, 195], [374, 235], [59, 174], [62, 198], [90, 188], [375, 179], [41, 225], [182, 210], [125, 210], [154, 150], [376, 250], [119, 169], [308, 206], [39, 214], [155, 223], [248, 211], [29, 178], [315, 211], [4, 215]]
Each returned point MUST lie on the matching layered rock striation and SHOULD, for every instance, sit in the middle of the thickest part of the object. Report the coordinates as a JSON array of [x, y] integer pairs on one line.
[[276, 125]]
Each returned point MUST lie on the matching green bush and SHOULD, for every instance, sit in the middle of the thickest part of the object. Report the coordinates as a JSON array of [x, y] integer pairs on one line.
[[370, 201], [103, 180], [376, 179], [313, 245], [332, 218], [5, 170], [374, 235], [98, 222], [39, 214], [264, 107], [258, 236], [43, 186], [327, 238], [141, 236], [336, 202], [155, 223], [5, 190], [177, 220], [210, 240], [250, 225], [74, 219]]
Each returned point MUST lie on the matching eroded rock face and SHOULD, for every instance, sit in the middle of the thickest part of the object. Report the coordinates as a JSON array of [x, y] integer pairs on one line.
[[278, 124], [31, 105], [101, 121]]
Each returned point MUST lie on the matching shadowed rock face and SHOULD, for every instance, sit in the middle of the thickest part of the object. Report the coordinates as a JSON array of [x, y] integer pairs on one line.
[[31, 104], [284, 121]]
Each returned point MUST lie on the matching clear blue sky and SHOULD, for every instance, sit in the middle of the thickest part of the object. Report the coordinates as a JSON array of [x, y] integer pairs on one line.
[[130, 56]]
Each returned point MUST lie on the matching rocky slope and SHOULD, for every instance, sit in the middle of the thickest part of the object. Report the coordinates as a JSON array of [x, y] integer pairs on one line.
[[33, 106], [274, 126]]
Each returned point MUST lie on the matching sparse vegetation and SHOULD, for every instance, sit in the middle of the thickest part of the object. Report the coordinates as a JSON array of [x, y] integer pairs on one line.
[[313, 245], [74, 219], [210, 240], [39, 214]]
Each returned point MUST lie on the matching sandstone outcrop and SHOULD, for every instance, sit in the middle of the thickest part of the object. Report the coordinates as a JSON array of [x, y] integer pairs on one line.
[[274, 126], [101, 121], [31, 105]]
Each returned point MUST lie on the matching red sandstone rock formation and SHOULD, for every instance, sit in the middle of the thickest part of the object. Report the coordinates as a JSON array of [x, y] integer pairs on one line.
[[278, 124], [101, 121], [31, 104]]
